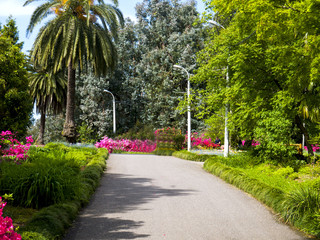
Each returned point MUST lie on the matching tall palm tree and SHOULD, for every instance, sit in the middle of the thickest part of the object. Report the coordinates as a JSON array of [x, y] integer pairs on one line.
[[82, 31], [48, 91]]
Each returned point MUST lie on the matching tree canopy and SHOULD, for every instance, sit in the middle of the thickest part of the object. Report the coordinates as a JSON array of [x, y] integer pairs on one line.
[[271, 50], [15, 100]]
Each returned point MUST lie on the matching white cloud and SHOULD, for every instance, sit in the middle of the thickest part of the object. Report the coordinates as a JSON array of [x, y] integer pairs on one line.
[[15, 8]]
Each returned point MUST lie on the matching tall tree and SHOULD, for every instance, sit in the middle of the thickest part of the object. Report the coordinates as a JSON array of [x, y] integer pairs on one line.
[[146, 87], [81, 31], [15, 100], [166, 37], [94, 112], [270, 48], [49, 94]]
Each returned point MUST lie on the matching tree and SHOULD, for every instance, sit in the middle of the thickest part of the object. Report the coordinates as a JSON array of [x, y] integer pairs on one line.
[[15, 100], [94, 111], [165, 36], [270, 48], [49, 93], [73, 37]]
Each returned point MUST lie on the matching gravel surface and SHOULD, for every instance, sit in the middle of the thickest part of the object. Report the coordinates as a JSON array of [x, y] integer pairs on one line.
[[156, 197]]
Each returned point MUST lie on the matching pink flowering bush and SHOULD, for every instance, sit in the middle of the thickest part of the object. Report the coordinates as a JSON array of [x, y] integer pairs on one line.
[[126, 145], [11, 148], [314, 148], [201, 141], [6, 228]]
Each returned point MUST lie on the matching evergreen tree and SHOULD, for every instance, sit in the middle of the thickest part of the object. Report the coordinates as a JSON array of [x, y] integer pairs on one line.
[[15, 100], [166, 36], [95, 106], [146, 87]]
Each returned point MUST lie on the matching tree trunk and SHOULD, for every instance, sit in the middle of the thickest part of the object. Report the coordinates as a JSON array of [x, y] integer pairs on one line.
[[306, 135], [40, 139], [69, 128]]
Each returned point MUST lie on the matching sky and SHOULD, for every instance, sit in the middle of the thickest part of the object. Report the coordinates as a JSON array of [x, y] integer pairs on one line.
[[22, 15]]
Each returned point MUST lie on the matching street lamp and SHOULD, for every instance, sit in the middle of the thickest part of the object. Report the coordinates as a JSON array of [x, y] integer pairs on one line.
[[227, 107], [114, 110], [189, 113]]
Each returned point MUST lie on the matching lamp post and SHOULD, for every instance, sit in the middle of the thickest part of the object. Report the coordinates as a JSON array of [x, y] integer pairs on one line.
[[114, 110], [227, 107], [189, 113]]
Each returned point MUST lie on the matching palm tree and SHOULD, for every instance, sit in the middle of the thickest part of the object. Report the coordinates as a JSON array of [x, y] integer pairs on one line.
[[81, 32], [48, 91]]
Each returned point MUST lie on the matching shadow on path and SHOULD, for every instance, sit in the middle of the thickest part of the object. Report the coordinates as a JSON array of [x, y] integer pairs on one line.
[[118, 194]]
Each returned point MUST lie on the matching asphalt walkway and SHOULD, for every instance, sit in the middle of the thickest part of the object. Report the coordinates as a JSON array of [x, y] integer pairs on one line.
[[155, 197]]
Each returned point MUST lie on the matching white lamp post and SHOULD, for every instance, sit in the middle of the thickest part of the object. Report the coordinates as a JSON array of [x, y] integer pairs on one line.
[[114, 110], [226, 130], [189, 113]]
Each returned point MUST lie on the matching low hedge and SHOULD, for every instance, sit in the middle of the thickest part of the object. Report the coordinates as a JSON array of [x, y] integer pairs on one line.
[[299, 207], [52, 222], [184, 154]]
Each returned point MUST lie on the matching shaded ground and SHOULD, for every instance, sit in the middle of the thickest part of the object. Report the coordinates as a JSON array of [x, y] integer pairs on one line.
[[155, 197]]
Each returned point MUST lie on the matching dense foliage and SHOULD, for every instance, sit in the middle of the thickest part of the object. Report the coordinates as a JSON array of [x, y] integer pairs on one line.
[[52, 174], [146, 87], [15, 100], [81, 32], [269, 51]]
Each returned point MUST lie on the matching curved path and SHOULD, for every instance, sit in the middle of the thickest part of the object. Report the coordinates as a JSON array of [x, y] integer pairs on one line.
[[155, 197]]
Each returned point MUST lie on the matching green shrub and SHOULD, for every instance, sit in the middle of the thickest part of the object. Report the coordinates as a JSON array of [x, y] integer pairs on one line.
[[39, 185], [178, 142], [163, 152], [51, 222], [302, 208], [184, 154], [32, 236], [298, 203]]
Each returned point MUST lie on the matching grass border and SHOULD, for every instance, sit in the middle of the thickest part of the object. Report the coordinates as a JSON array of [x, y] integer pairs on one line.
[[52, 222], [273, 197]]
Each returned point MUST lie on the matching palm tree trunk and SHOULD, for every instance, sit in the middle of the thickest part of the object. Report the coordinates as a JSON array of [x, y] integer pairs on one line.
[[69, 128], [40, 139]]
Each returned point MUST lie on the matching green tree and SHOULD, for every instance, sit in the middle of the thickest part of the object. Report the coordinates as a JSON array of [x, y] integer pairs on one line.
[[95, 106], [49, 94], [166, 36], [73, 38], [270, 48], [15, 100]]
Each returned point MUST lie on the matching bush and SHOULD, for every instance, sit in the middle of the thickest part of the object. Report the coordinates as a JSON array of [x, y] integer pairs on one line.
[[274, 133], [178, 142], [163, 152], [51, 175], [32, 236], [297, 202], [40, 185], [51, 222], [184, 154]]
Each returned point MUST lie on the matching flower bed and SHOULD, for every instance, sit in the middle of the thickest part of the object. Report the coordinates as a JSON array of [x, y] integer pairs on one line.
[[201, 142], [126, 145], [11, 149]]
